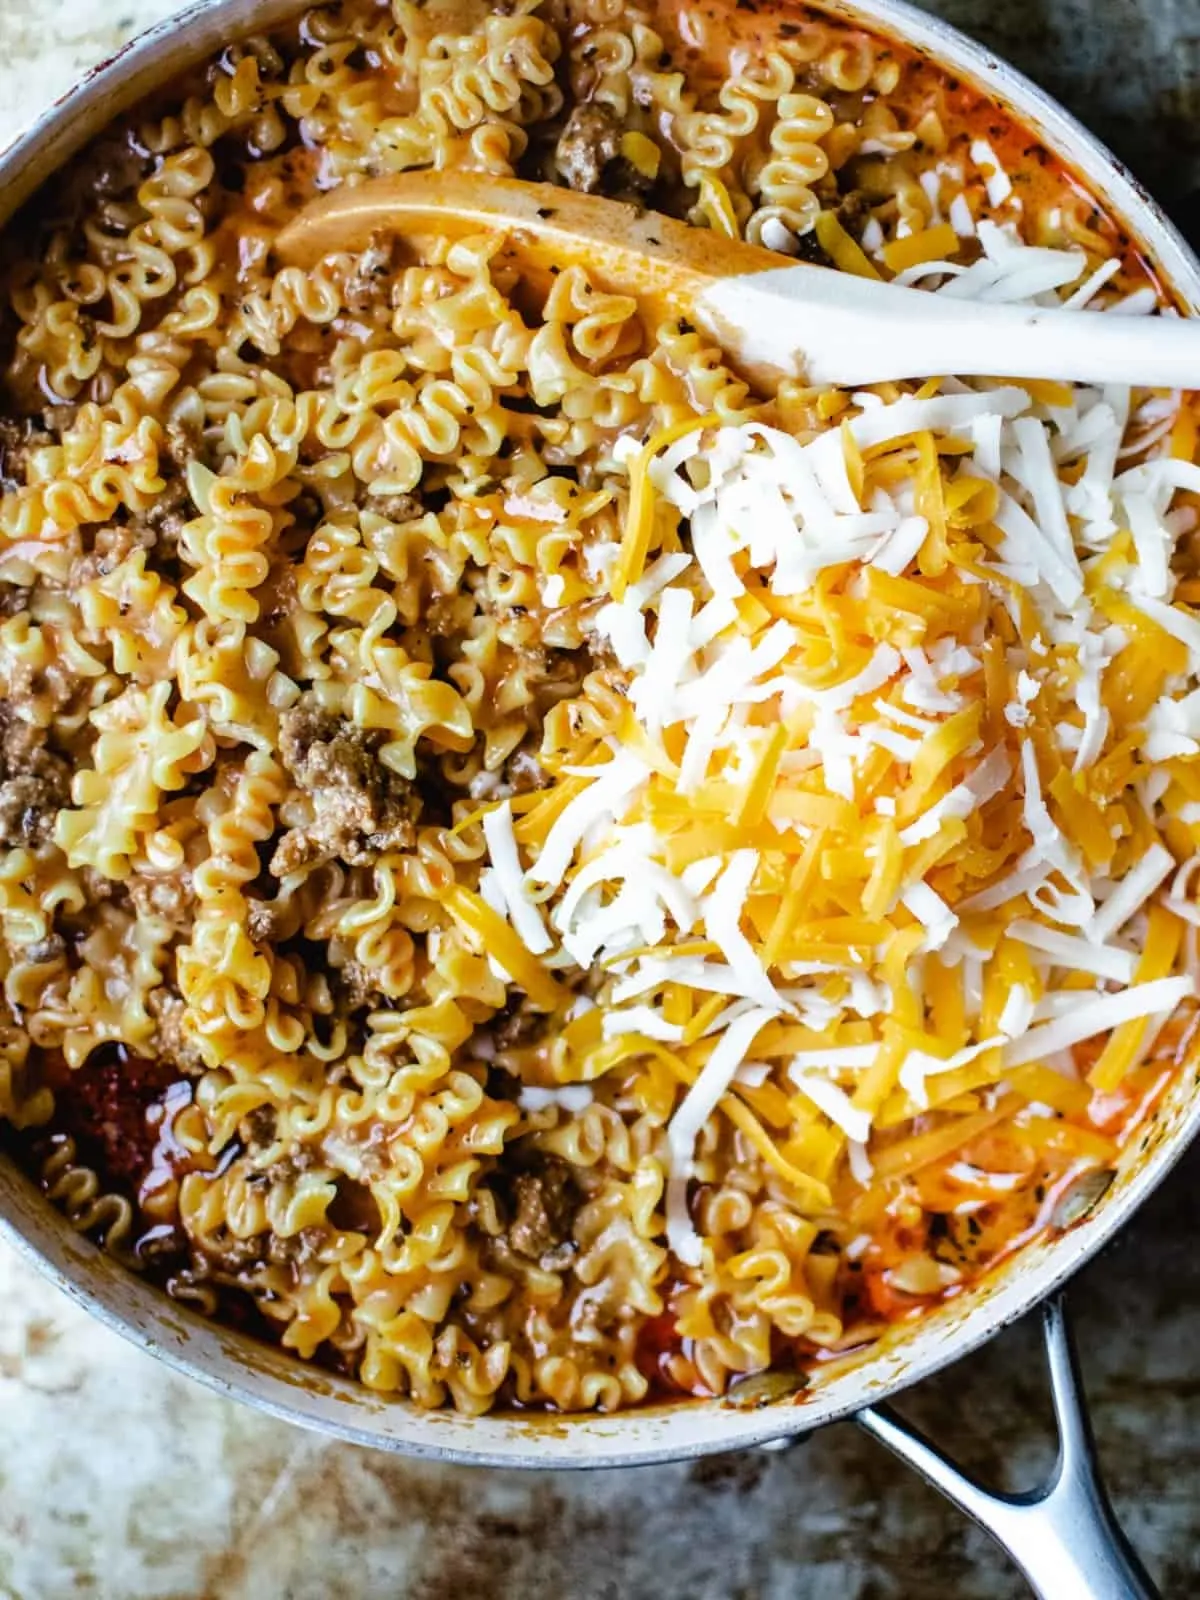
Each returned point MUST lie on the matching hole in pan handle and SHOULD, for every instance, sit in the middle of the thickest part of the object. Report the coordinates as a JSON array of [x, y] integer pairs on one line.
[[1063, 1535]]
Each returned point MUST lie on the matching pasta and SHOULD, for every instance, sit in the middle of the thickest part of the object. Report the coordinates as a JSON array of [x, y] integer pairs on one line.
[[478, 904]]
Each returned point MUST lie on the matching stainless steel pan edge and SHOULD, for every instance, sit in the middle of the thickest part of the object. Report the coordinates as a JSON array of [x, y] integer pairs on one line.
[[247, 1371]]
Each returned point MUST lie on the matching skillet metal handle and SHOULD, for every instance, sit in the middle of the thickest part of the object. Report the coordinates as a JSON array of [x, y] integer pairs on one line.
[[1063, 1535]]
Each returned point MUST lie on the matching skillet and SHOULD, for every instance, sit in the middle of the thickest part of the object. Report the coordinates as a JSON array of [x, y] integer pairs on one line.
[[1063, 1536]]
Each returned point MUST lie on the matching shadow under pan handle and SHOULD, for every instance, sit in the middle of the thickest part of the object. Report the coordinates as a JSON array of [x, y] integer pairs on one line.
[[1063, 1535]]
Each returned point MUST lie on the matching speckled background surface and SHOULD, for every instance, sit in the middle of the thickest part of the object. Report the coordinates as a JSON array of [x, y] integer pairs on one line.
[[123, 1482]]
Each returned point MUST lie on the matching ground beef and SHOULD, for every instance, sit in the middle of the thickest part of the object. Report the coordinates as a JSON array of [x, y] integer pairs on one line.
[[290, 1165], [158, 527], [518, 1024], [360, 807], [165, 520], [257, 1128], [13, 599], [182, 444], [17, 440], [322, 751], [523, 772], [357, 986], [52, 948], [34, 782], [396, 507], [538, 1200], [170, 897], [853, 211], [588, 157], [23, 748], [542, 1202], [588, 143], [553, 674], [277, 595], [298, 1249], [270, 923], [98, 889], [171, 1044], [809, 248], [57, 419], [111, 546], [231, 1255], [28, 807], [448, 614], [370, 283]]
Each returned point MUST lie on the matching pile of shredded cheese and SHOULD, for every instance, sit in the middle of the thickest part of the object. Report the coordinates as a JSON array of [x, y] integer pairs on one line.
[[908, 763]]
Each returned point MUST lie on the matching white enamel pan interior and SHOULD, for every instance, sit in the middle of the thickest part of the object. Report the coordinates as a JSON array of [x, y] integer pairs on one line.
[[251, 1372]]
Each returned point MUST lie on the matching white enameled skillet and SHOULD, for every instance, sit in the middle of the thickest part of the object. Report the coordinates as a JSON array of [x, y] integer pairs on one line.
[[1063, 1537]]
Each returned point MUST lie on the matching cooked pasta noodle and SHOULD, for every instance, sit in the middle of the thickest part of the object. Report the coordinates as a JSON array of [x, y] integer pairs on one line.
[[324, 601]]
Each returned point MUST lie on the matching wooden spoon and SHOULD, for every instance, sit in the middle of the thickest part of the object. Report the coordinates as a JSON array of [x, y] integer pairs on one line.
[[774, 320]]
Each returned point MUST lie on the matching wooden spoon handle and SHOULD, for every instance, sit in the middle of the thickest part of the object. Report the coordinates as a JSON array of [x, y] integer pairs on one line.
[[546, 229], [849, 330], [772, 320]]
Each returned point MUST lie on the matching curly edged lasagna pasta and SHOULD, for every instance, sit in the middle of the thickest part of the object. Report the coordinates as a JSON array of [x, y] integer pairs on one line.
[[532, 872]]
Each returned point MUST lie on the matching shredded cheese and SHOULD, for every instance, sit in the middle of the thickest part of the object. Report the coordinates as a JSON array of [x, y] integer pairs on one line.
[[510, 876], [999, 184], [1098, 1015], [894, 792], [697, 1106], [836, 1104], [572, 1097]]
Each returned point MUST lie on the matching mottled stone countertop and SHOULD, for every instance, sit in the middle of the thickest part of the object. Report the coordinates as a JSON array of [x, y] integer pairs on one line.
[[122, 1481]]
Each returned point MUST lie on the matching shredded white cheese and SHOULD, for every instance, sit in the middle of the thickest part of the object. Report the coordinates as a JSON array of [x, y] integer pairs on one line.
[[1098, 1014], [572, 1097], [736, 705], [697, 1106], [997, 181], [510, 879]]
